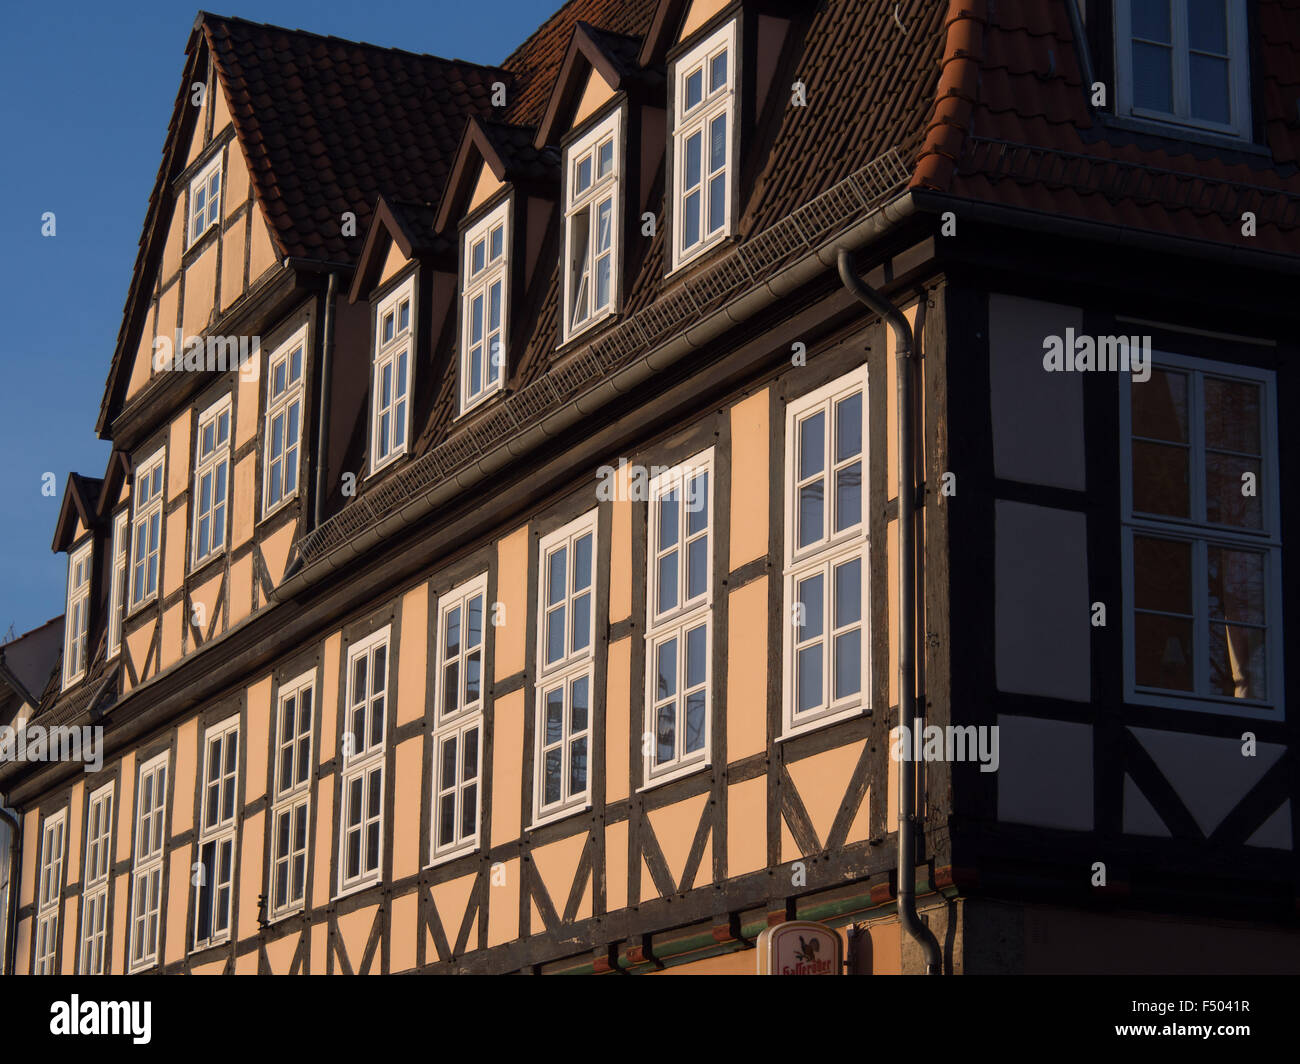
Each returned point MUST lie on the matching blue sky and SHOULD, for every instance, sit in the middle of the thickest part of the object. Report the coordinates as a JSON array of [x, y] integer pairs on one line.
[[85, 94]]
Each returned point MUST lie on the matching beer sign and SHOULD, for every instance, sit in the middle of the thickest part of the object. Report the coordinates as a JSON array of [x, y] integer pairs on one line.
[[800, 947]]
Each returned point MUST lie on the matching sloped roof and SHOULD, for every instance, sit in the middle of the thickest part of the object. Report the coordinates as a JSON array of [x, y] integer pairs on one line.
[[330, 125]]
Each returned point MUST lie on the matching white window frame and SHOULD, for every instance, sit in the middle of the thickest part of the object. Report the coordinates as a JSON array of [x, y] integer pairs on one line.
[[464, 722], [574, 665], [217, 830], [688, 614], [49, 891], [117, 582], [831, 550], [279, 407], [1238, 71], [387, 445], [583, 207], [291, 804], [76, 639], [92, 956], [147, 513], [366, 759], [475, 286], [215, 464], [145, 913], [686, 122], [1202, 535], [208, 181]]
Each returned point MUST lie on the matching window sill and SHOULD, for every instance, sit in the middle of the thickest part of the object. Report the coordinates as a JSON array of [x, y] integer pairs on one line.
[[480, 401], [678, 773], [699, 255], [356, 888], [1226, 707], [823, 720], [278, 507], [583, 334], [452, 855], [1172, 130], [137, 608], [559, 814], [390, 461], [197, 566]]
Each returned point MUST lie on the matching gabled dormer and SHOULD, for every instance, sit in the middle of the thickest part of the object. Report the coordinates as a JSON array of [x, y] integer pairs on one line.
[[596, 117], [499, 203], [726, 66], [395, 276], [75, 534]]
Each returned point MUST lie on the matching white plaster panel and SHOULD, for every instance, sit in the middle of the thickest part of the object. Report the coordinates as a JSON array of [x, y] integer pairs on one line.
[[1140, 817], [1037, 416], [1045, 773], [1042, 610]]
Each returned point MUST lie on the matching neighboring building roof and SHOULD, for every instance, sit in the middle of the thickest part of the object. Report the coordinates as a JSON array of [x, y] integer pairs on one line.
[[28, 661]]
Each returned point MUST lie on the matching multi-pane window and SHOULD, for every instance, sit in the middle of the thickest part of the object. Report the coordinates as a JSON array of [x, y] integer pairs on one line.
[[49, 892], [566, 601], [205, 199], [1202, 548], [94, 898], [704, 120], [290, 813], [117, 584], [679, 617], [78, 622], [284, 391], [147, 528], [484, 294], [391, 404], [364, 743], [215, 876], [458, 734], [1185, 61], [591, 224], [147, 876], [826, 554], [211, 480]]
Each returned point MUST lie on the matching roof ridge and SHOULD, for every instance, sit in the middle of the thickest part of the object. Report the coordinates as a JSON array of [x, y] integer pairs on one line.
[[204, 16]]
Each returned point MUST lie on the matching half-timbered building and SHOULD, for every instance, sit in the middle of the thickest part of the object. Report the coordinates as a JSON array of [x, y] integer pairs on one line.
[[549, 502]]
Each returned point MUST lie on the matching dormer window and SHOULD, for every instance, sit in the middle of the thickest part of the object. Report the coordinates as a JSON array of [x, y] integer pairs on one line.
[[391, 390], [283, 422], [205, 199], [211, 480], [78, 622], [592, 168], [1185, 62], [484, 288], [704, 120]]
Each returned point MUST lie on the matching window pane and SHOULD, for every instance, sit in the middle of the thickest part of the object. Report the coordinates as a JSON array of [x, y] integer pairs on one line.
[[469, 809], [582, 178], [694, 722], [697, 557], [668, 503], [1160, 479], [447, 819], [666, 669], [718, 71], [812, 445], [582, 563], [448, 776], [848, 663], [578, 705], [554, 715], [1232, 416], [1151, 20], [496, 240], [848, 593], [697, 640], [668, 581], [555, 575], [1162, 575], [603, 267], [578, 766], [848, 427], [1236, 585], [469, 755], [1225, 500], [606, 158], [1153, 77], [1211, 98], [692, 160], [555, 635], [697, 503], [808, 678], [848, 496], [1237, 661], [666, 732], [581, 622], [691, 226], [1207, 26], [717, 202], [694, 88], [1163, 655], [717, 143], [552, 793], [810, 613]]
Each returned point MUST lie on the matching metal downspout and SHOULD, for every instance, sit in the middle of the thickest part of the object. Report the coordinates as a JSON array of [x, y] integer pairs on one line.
[[907, 915], [8, 943]]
